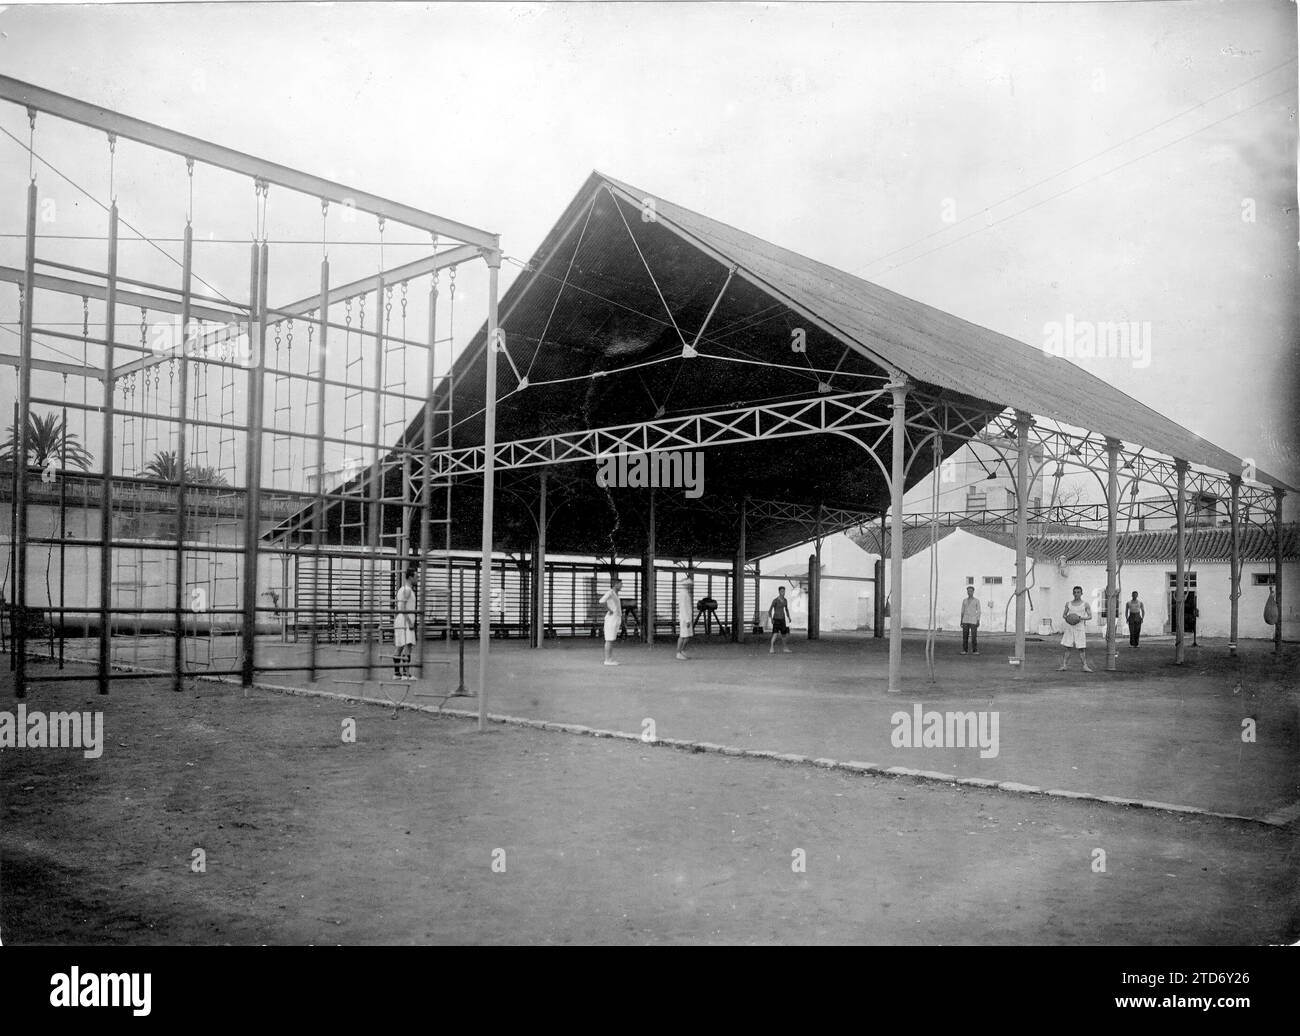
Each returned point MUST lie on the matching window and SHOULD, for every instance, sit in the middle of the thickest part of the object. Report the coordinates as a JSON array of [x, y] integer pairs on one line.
[[992, 580], [977, 501], [1189, 578], [970, 580], [1263, 579]]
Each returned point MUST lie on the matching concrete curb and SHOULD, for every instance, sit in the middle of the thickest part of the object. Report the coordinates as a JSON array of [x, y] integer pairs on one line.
[[1280, 818]]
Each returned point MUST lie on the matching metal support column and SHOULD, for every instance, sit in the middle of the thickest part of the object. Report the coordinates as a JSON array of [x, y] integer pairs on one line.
[[187, 268], [489, 472], [1023, 423], [1278, 494], [374, 607], [898, 471], [318, 510], [539, 569], [425, 593], [253, 461], [648, 602], [1112, 551], [738, 582], [19, 626], [1180, 559], [1234, 561], [106, 497]]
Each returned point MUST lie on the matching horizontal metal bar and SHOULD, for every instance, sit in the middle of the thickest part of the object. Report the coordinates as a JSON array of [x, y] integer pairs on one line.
[[54, 367], [183, 144], [153, 303]]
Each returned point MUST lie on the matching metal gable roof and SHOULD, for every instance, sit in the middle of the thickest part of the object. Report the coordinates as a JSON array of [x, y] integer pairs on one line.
[[943, 350]]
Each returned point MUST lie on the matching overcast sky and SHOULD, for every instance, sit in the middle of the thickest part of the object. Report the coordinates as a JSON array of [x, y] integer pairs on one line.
[[869, 136]]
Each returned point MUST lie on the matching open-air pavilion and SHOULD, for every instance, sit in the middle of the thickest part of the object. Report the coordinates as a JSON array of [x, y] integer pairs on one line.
[[640, 327]]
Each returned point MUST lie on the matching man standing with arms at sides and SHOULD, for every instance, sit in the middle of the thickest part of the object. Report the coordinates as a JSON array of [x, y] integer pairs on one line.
[[970, 621], [404, 628], [779, 612], [1077, 612], [685, 615], [1134, 611], [613, 617]]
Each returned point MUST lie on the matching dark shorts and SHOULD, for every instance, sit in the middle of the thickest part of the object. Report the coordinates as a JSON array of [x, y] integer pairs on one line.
[[780, 626]]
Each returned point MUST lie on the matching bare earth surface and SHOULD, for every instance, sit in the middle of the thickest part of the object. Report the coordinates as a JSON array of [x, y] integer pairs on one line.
[[392, 839]]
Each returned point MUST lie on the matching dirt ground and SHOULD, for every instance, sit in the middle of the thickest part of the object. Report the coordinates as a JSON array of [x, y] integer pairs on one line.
[[392, 839]]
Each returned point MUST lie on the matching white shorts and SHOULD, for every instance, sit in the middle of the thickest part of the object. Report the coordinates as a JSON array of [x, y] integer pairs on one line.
[[684, 629], [1074, 636], [612, 624], [403, 636]]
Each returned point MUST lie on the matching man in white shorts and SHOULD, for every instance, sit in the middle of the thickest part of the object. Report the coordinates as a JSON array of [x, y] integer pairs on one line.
[[404, 628], [685, 615], [613, 618], [1075, 635]]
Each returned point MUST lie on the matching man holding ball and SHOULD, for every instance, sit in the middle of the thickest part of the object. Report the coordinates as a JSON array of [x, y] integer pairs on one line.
[[1076, 613]]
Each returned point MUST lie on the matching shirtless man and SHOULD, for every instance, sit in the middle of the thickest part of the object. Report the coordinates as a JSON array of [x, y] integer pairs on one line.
[[779, 612]]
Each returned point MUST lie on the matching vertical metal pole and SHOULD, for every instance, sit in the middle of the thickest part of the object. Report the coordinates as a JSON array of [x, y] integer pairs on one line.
[[1278, 494], [878, 595], [13, 542], [648, 602], [898, 386], [1180, 559], [373, 608], [106, 498], [489, 472], [253, 461], [187, 267], [539, 567], [20, 457], [318, 510], [460, 687], [1112, 551], [738, 581], [63, 531], [1023, 423], [1234, 561], [426, 491]]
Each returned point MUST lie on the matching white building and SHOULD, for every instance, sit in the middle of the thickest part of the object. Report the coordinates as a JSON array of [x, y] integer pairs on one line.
[[986, 559], [847, 584]]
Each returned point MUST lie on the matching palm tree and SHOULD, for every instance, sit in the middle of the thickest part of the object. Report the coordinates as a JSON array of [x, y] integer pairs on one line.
[[48, 442], [164, 468]]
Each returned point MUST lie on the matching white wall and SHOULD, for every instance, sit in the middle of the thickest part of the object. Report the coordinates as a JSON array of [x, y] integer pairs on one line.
[[958, 556], [962, 554], [844, 567]]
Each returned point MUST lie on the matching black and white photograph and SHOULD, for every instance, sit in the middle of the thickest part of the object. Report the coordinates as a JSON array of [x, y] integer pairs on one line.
[[650, 475]]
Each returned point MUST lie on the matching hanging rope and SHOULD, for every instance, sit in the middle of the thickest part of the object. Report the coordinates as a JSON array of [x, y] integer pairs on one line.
[[31, 144], [933, 618]]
